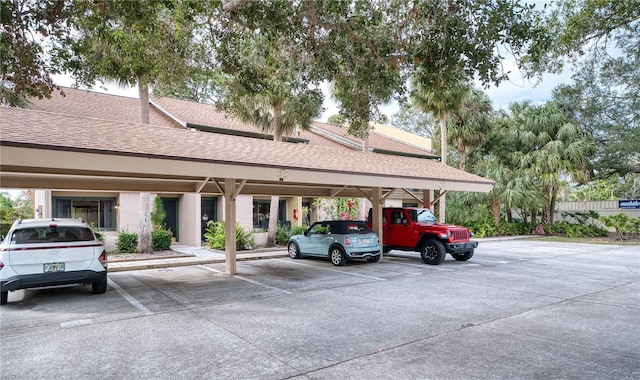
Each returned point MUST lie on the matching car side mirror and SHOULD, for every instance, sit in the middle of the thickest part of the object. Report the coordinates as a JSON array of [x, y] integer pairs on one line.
[[306, 233], [1, 238], [98, 235]]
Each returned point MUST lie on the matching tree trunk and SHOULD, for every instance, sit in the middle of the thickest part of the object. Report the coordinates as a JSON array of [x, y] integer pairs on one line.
[[145, 244], [443, 140], [552, 205], [442, 203], [273, 221], [495, 209], [462, 154], [143, 94]]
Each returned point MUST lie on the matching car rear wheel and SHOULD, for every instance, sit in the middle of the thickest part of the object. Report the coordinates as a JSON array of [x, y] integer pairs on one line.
[[463, 256], [337, 256], [99, 287], [4, 297], [433, 252], [294, 251]]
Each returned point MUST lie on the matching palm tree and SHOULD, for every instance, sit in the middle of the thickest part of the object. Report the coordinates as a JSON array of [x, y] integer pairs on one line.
[[468, 126], [552, 148], [441, 104], [268, 92]]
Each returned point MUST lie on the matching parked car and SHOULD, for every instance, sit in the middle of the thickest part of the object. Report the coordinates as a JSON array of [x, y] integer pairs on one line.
[[49, 252], [339, 240], [417, 229]]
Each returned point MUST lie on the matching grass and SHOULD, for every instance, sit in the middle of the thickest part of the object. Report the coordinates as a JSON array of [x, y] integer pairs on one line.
[[588, 240]]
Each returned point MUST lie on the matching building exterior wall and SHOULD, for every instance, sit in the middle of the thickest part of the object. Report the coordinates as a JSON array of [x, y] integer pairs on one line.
[[189, 219], [604, 208]]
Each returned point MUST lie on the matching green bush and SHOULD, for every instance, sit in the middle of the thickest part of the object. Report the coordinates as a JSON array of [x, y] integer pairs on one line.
[[284, 233], [127, 242], [215, 236], [622, 223], [161, 239]]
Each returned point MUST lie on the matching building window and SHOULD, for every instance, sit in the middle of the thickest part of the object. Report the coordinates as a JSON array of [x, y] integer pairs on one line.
[[261, 209], [99, 212]]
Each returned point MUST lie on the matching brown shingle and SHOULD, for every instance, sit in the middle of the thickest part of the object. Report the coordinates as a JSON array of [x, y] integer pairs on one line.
[[37, 128]]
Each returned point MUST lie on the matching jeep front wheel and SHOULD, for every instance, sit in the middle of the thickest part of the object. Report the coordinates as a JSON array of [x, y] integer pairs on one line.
[[463, 256], [432, 252]]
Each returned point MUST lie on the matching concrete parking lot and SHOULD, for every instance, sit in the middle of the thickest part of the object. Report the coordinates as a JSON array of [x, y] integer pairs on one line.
[[517, 310]]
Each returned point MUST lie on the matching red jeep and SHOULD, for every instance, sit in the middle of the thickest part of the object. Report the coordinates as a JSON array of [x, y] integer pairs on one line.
[[417, 229]]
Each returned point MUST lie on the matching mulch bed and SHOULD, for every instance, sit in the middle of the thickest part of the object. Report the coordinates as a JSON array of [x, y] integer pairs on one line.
[[168, 254]]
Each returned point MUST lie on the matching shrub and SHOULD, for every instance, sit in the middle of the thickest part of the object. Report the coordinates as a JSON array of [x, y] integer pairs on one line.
[[127, 242], [157, 213], [161, 239], [215, 236], [284, 233], [622, 223]]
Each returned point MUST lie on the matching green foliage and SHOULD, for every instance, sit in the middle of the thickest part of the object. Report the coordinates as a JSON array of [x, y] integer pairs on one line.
[[488, 228], [342, 208], [161, 239], [622, 223], [565, 228], [127, 242], [96, 232], [284, 233], [14, 209], [157, 213], [215, 236]]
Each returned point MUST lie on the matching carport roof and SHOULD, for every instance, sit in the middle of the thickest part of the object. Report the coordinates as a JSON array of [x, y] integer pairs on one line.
[[55, 151]]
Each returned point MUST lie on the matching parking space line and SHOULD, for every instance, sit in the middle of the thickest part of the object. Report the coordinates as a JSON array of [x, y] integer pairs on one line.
[[339, 271], [137, 304], [249, 280], [423, 266], [491, 261]]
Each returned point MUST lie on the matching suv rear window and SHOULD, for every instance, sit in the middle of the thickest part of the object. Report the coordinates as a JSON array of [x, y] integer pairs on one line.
[[47, 234]]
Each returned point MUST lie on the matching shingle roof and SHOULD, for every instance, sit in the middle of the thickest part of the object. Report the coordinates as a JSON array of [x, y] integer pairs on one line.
[[100, 106], [22, 127], [120, 108]]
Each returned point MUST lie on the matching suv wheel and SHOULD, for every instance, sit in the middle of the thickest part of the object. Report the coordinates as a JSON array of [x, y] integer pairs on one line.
[[432, 252], [463, 256], [99, 287], [4, 297], [294, 251], [337, 256]]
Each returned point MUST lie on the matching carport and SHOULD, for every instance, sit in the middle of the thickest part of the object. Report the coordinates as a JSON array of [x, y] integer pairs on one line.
[[41, 150]]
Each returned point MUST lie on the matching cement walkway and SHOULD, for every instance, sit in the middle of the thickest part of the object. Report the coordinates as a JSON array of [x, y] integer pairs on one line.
[[201, 255]]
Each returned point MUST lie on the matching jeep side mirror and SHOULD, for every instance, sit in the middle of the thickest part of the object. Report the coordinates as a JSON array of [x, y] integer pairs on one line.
[[1, 237]]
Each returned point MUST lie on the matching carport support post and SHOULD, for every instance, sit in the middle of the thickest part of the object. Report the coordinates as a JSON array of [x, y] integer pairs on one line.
[[230, 225], [376, 212]]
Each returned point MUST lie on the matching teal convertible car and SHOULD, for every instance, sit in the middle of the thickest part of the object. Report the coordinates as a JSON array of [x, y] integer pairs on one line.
[[339, 240]]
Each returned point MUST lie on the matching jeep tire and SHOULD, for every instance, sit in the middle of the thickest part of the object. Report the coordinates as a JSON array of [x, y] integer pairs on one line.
[[432, 252]]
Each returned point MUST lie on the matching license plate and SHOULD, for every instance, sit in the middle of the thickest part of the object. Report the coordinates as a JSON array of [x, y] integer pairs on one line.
[[365, 241], [53, 267]]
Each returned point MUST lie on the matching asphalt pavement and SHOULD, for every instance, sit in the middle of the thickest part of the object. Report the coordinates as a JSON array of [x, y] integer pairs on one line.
[[519, 309]]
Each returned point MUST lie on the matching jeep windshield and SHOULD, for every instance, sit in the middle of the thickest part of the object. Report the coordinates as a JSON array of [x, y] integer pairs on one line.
[[422, 215]]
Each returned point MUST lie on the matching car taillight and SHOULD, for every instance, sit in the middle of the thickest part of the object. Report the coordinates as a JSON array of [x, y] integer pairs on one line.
[[103, 259], [1, 265], [347, 241]]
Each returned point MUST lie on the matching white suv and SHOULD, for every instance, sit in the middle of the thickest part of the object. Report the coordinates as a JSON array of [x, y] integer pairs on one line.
[[48, 252]]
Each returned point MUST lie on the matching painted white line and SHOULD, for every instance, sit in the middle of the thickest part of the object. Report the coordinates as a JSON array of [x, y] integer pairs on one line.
[[250, 281], [130, 298], [335, 270], [78, 322], [491, 261], [423, 266]]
